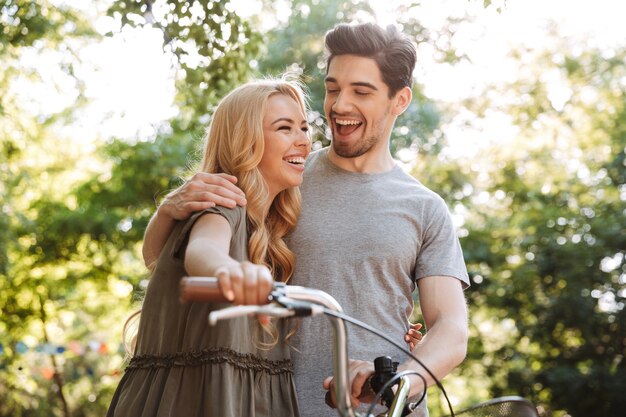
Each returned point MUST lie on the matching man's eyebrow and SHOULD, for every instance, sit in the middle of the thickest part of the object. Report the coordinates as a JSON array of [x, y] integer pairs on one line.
[[364, 84], [354, 84]]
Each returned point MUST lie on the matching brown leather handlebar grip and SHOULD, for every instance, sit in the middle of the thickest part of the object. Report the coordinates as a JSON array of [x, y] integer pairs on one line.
[[200, 289]]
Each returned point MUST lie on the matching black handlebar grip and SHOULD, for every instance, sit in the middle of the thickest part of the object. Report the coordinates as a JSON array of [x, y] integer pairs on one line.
[[384, 369]]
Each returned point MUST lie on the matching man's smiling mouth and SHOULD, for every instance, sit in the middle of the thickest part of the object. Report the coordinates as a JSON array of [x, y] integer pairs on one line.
[[347, 126]]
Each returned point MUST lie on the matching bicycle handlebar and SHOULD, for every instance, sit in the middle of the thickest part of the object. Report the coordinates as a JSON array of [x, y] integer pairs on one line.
[[207, 289], [200, 289]]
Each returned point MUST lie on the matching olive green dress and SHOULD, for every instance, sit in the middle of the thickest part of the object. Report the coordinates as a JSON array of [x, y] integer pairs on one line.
[[184, 367]]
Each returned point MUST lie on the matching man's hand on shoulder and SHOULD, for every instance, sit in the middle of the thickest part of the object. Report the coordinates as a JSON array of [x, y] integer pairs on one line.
[[200, 192]]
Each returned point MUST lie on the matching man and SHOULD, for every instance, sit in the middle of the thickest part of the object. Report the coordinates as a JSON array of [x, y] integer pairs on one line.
[[368, 232]]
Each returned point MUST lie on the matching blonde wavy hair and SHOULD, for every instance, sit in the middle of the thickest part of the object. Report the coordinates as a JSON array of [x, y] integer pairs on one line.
[[234, 144]]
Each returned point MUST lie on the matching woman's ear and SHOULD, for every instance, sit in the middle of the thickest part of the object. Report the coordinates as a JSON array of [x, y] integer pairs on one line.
[[401, 100]]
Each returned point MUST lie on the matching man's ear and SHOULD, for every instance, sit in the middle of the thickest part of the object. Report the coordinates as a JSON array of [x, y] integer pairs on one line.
[[401, 101]]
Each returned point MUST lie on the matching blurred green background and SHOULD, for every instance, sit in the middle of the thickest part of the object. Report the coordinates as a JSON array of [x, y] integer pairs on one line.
[[530, 155]]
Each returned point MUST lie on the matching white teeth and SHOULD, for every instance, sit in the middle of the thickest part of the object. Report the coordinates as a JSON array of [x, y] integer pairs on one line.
[[347, 122], [295, 160]]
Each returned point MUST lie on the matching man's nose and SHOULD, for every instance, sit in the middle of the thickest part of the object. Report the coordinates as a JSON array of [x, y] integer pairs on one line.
[[342, 104]]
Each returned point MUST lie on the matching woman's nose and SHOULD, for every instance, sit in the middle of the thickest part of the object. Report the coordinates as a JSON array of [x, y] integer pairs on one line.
[[304, 139]]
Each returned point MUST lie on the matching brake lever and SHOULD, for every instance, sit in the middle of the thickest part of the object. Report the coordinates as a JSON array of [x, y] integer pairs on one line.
[[240, 311], [298, 307], [281, 306]]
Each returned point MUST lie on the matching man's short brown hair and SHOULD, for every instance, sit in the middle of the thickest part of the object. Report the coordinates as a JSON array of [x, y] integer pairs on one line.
[[392, 51]]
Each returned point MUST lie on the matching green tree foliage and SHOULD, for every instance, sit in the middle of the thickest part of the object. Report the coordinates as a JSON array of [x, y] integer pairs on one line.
[[212, 44], [26, 22], [546, 237], [31, 171]]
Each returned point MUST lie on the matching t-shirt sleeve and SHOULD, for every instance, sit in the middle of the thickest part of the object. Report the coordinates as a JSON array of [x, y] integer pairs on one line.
[[440, 252], [232, 215]]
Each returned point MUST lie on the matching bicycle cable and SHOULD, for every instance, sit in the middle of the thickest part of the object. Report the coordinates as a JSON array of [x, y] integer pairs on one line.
[[378, 333], [390, 383]]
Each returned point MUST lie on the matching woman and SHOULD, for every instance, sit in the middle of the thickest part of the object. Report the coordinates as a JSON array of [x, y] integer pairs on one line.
[[183, 367]]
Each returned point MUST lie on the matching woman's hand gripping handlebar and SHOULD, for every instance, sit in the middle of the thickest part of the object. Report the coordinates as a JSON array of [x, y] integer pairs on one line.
[[285, 301], [207, 289]]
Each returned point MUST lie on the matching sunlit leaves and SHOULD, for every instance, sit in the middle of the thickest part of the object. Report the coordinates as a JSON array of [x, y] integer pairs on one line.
[[213, 46], [544, 255]]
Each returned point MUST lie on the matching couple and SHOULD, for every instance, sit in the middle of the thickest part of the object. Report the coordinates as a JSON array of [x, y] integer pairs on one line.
[[367, 233]]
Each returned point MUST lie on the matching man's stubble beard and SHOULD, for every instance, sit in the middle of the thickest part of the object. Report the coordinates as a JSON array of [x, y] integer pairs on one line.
[[360, 148], [363, 145]]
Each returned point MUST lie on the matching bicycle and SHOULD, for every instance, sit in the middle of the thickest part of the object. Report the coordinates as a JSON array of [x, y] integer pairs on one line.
[[295, 301]]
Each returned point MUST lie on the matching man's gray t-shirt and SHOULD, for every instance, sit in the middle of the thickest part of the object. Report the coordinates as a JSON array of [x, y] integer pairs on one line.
[[365, 239]]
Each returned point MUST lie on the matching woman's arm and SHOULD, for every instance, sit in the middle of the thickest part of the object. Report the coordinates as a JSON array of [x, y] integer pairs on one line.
[[157, 232], [207, 255], [202, 191]]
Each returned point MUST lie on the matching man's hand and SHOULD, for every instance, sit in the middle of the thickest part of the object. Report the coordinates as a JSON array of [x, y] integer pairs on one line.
[[200, 192], [358, 375]]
